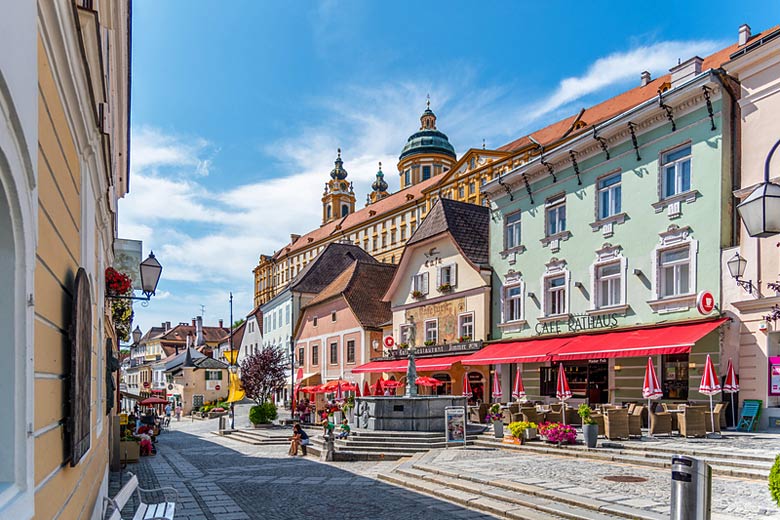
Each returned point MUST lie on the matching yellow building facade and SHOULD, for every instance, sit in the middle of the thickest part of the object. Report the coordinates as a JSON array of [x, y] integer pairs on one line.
[[63, 166]]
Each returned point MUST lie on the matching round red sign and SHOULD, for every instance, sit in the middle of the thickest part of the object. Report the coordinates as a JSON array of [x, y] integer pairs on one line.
[[705, 302], [146, 384], [217, 387], [389, 341]]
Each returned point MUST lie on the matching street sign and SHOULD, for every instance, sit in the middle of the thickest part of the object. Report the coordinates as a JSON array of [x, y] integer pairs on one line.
[[146, 384], [389, 341], [217, 387], [705, 302]]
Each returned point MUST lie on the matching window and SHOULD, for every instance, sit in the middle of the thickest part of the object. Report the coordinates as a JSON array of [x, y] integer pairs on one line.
[[403, 233], [315, 321], [432, 331], [344, 210], [676, 170], [448, 275], [426, 172], [374, 244], [334, 353], [461, 192], [351, 351], [315, 355], [407, 178], [609, 279], [674, 376], [555, 286], [472, 188], [609, 197], [512, 231], [333, 316], [287, 315], [675, 271], [384, 240], [556, 216], [513, 301], [273, 325], [420, 283], [466, 327], [392, 237]]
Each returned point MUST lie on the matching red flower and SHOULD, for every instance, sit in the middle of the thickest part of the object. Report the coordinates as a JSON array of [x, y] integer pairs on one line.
[[117, 283]]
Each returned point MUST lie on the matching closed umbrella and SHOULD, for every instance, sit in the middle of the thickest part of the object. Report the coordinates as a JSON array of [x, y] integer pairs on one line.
[[339, 392], [731, 386], [518, 392], [562, 390], [650, 388], [467, 387], [357, 390], [496, 391], [366, 389], [710, 385], [378, 388]]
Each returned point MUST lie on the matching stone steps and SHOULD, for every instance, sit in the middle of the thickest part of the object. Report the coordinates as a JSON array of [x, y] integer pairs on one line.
[[508, 499], [257, 437], [732, 467]]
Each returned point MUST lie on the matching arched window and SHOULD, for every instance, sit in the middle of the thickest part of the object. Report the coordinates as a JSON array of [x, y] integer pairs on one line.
[[446, 388], [328, 212], [7, 310], [344, 210]]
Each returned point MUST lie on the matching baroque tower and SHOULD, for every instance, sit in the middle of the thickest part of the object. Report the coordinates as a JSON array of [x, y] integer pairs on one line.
[[379, 187], [338, 199], [427, 152]]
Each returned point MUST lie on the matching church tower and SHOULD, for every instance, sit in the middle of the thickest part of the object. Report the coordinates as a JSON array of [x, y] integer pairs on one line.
[[427, 152], [338, 199], [379, 187]]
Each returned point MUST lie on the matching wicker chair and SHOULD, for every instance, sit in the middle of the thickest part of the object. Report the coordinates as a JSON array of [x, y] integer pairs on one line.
[[572, 417], [660, 423], [718, 412], [512, 413], [554, 415], [529, 413], [599, 418], [692, 422], [635, 421], [477, 413], [616, 424]]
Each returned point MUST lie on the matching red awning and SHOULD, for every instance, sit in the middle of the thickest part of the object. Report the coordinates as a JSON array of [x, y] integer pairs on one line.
[[652, 341], [399, 365], [529, 351]]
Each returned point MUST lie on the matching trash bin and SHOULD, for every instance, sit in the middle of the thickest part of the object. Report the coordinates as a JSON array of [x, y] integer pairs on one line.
[[691, 489]]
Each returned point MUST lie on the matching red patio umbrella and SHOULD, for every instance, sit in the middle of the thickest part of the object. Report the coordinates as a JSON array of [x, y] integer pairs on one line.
[[562, 391], [153, 400], [427, 381], [709, 385], [650, 387], [496, 391], [366, 389], [731, 386], [357, 390], [518, 392], [467, 386], [378, 387], [391, 383], [339, 392]]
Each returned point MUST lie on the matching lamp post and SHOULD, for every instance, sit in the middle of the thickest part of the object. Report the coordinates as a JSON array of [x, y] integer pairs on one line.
[[411, 367], [232, 366], [736, 266], [760, 211], [292, 379]]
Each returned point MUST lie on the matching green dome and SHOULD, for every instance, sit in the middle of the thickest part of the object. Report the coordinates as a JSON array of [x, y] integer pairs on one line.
[[426, 142]]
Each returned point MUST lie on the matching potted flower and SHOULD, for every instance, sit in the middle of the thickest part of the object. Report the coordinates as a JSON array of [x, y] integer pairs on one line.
[[495, 416], [558, 433], [523, 430], [464, 339], [429, 342], [417, 295], [590, 429], [445, 288]]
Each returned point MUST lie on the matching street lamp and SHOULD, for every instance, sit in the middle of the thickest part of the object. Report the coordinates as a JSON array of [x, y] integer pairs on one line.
[[760, 211], [137, 335], [150, 276], [736, 266]]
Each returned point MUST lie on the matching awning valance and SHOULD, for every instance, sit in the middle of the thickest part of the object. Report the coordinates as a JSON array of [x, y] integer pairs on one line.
[[646, 341], [399, 365]]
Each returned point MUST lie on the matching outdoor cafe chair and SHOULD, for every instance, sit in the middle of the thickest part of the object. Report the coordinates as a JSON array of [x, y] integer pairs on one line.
[[692, 422], [718, 412], [635, 421], [511, 413], [530, 414], [599, 418], [616, 424], [660, 422]]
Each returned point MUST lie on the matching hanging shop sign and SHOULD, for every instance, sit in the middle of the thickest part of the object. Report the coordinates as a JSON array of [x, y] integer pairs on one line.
[[774, 376], [577, 323], [705, 302]]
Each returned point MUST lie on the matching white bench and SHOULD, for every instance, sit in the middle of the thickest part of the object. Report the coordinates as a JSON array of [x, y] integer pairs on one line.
[[158, 511]]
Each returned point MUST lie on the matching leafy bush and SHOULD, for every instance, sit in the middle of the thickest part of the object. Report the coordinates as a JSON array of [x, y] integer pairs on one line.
[[557, 432], [518, 427], [262, 413], [774, 481], [584, 412], [206, 408]]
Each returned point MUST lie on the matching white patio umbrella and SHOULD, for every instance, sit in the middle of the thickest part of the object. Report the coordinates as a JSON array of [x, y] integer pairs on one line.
[[731, 386], [518, 392], [650, 388], [562, 390], [710, 385]]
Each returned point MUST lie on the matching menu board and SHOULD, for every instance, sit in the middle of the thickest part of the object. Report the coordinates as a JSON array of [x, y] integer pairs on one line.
[[455, 424], [774, 376]]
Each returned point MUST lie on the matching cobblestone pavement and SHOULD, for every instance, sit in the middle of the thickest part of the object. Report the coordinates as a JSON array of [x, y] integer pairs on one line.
[[732, 498], [221, 479]]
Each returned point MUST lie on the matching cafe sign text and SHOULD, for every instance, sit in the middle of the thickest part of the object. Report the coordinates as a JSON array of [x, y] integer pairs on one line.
[[577, 323]]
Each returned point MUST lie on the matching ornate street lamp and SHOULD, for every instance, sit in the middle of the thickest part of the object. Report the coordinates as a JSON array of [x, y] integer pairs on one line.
[[760, 211], [736, 266], [137, 335], [150, 276]]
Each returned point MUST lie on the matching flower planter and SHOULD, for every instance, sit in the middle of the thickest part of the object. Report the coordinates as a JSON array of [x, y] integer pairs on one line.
[[591, 434], [129, 451], [531, 434], [498, 429]]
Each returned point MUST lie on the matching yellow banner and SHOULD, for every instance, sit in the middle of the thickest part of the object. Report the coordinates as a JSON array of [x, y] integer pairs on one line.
[[235, 393], [231, 356]]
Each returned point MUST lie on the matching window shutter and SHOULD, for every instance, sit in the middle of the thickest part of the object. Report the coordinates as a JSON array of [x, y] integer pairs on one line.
[[502, 303], [425, 283], [438, 276], [80, 391], [454, 275], [414, 283]]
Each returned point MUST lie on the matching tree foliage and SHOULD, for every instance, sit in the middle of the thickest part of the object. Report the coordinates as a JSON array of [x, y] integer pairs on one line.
[[263, 374]]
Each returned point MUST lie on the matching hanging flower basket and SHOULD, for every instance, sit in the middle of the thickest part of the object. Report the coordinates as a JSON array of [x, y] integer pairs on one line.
[[117, 283]]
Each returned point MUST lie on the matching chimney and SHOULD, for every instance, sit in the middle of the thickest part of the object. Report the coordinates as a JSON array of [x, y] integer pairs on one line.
[[686, 70], [167, 326], [294, 238], [163, 326], [199, 331], [645, 78], [744, 34], [220, 324], [193, 322]]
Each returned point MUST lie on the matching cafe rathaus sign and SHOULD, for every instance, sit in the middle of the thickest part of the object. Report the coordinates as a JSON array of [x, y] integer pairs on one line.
[[577, 323]]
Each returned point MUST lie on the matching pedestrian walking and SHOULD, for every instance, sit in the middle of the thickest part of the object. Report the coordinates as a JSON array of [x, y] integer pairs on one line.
[[178, 412], [168, 410]]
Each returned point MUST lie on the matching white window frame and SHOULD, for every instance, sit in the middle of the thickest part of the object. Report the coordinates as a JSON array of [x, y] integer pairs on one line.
[[677, 164], [402, 331], [420, 282], [513, 231], [605, 285], [606, 256], [674, 238], [452, 273], [674, 267], [552, 209], [506, 302], [556, 268], [461, 325], [434, 330], [610, 190]]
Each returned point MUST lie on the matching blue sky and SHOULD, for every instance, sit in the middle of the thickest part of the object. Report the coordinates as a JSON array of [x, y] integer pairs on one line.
[[238, 107]]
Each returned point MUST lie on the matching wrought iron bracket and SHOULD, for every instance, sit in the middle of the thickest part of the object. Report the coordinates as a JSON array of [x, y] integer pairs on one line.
[[773, 315], [549, 166], [506, 187], [602, 142], [773, 286], [575, 166], [668, 109], [634, 142], [747, 285], [708, 101], [528, 188], [143, 299]]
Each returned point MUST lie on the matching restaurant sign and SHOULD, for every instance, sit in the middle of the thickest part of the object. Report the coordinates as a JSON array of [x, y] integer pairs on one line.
[[577, 323], [444, 348]]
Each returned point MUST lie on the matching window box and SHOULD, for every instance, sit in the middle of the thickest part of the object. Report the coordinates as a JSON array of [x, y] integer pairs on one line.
[[445, 288], [418, 295], [429, 343]]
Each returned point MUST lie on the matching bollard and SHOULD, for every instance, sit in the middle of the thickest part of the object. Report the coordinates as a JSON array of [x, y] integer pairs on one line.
[[691, 488], [327, 450], [222, 424]]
